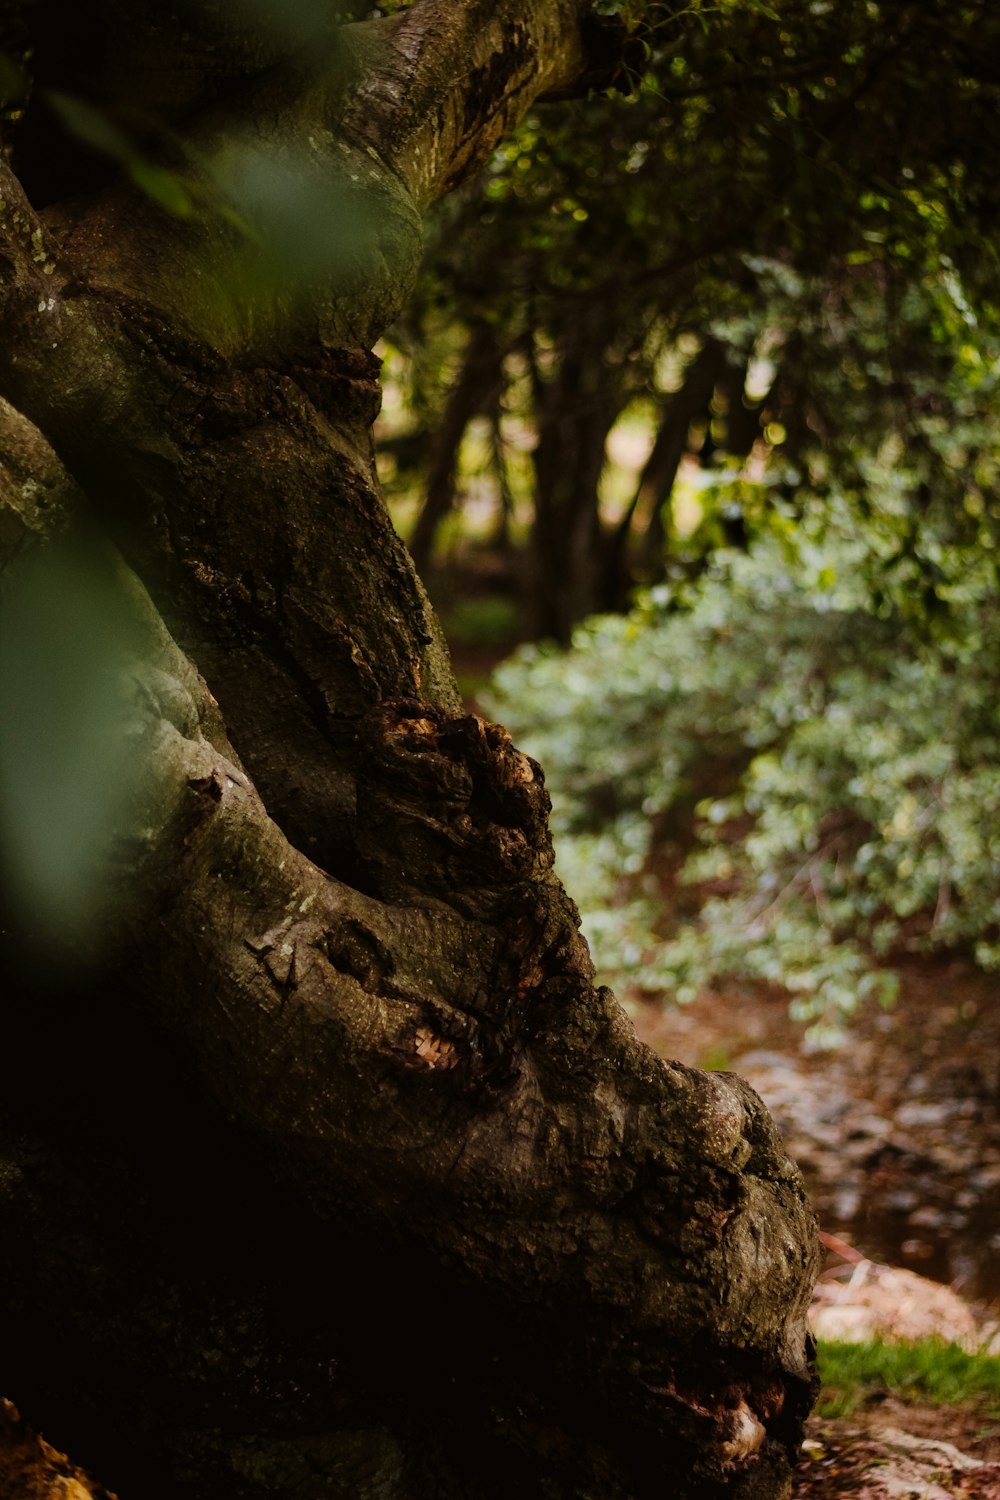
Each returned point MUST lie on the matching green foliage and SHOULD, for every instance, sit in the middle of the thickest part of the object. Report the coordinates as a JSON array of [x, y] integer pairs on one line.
[[276, 223], [96, 130], [66, 677], [807, 184], [14, 83], [931, 1370], [815, 757]]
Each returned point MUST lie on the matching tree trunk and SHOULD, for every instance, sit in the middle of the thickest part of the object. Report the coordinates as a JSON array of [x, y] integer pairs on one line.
[[660, 473], [327, 1171], [475, 392], [576, 409]]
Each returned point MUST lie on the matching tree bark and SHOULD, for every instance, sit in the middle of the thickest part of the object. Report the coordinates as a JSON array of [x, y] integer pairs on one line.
[[387, 1200], [32, 1469]]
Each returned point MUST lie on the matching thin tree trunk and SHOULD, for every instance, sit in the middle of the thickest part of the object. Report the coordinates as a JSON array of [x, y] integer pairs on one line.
[[474, 392], [742, 417], [505, 491], [652, 496], [576, 409]]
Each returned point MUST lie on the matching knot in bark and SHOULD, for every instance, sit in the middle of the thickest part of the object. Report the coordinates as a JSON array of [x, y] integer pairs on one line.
[[449, 809]]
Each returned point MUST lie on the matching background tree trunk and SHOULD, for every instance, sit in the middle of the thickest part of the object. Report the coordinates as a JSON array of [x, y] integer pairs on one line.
[[577, 406], [669, 447], [476, 392], [326, 1169]]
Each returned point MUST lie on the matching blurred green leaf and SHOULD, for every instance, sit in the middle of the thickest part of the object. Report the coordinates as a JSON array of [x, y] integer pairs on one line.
[[298, 22], [91, 125], [14, 82], [96, 129], [164, 187], [65, 641]]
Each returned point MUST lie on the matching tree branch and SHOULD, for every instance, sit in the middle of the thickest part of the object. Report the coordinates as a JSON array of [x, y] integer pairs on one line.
[[454, 76]]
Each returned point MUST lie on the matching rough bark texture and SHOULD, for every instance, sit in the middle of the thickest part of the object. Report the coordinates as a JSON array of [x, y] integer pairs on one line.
[[326, 1171], [31, 1469]]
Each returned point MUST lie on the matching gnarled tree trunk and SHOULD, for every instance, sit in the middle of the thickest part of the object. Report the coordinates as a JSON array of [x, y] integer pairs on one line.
[[326, 1170]]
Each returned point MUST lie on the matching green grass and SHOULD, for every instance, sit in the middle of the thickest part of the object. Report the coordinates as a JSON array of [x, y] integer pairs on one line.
[[715, 1059], [932, 1371]]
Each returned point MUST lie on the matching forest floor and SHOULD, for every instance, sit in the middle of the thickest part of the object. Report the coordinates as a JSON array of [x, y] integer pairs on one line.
[[895, 1450], [898, 1135]]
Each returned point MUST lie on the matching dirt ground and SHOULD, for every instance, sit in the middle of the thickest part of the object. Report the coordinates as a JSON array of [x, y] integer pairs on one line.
[[893, 1450], [898, 1135]]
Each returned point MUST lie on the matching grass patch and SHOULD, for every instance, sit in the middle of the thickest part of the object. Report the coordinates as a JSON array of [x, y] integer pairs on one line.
[[931, 1370], [715, 1060]]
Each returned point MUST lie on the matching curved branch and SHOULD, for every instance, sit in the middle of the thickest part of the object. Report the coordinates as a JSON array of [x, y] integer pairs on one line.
[[451, 78]]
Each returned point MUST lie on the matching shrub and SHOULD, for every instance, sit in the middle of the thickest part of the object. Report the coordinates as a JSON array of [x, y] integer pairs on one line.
[[833, 750]]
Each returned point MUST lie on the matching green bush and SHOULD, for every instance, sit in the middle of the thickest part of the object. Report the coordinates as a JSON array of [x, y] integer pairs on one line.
[[832, 750]]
